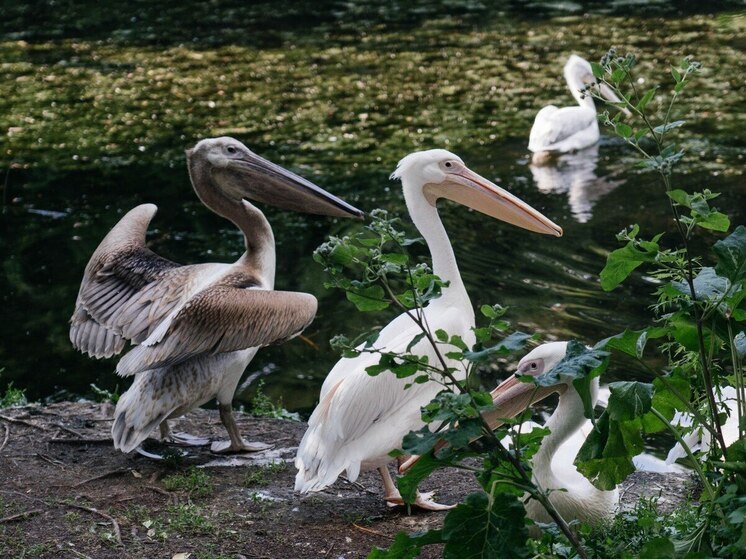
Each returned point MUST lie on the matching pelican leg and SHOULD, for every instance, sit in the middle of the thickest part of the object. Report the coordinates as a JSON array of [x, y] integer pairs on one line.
[[394, 499], [236, 443], [184, 439]]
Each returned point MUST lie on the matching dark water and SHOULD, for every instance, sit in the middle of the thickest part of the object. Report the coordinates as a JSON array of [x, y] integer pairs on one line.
[[97, 106]]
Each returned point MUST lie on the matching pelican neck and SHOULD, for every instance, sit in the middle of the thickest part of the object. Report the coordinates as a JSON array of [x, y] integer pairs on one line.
[[427, 221], [575, 84]]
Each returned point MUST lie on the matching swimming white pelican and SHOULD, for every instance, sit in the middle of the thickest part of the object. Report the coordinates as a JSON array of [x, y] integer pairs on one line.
[[361, 418], [574, 497], [195, 327], [570, 128]]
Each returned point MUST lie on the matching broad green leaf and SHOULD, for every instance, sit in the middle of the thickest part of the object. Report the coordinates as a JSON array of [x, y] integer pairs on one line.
[[395, 258], [629, 400], [631, 342], [676, 75], [606, 456], [407, 546], [680, 197], [708, 285], [485, 528], [421, 470], [368, 298], [624, 130], [731, 255], [658, 548], [623, 261], [488, 311], [666, 400], [663, 128], [513, 342], [715, 221], [442, 335]]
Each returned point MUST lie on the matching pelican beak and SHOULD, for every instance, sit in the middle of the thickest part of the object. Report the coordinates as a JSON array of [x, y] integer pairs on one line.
[[607, 93], [513, 396], [466, 187], [258, 179]]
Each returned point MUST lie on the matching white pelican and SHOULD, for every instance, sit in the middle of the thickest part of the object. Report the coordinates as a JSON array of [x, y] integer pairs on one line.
[[361, 418], [571, 493], [195, 327], [570, 128]]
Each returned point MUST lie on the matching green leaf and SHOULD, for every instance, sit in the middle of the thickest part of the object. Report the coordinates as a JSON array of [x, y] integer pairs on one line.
[[631, 342], [663, 128], [597, 69], [442, 335], [715, 221], [708, 285], [680, 197], [623, 261], [485, 528], [415, 341], [666, 401], [407, 546], [658, 548], [731, 255], [395, 258], [676, 75], [649, 94], [488, 311], [421, 470], [629, 400], [624, 130], [368, 298], [606, 456], [511, 343]]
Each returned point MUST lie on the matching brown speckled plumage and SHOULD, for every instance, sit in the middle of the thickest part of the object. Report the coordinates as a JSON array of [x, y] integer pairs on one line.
[[195, 328]]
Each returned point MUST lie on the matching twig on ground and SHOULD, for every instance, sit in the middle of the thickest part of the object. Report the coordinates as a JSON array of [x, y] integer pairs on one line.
[[20, 516], [22, 422], [51, 460], [5, 440], [360, 486], [80, 441], [68, 430], [114, 523], [369, 531], [117, 472]]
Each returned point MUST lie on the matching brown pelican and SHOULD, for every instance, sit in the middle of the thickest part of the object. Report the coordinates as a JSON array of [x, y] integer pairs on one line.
[[570, 128], [196, 327], [360, 418]]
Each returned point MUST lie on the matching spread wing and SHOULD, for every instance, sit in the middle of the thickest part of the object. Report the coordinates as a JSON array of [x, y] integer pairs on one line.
[[127, 289], [222, 318]]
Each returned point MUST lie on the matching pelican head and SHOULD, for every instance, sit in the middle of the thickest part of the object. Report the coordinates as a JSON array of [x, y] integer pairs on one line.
[[513, 396], [240, 173], [578, 74], [438, 173]]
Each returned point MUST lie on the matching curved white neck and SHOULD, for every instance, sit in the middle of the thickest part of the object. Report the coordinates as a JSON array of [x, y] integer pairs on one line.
[[426, 219], [575, 83], [563, 423]]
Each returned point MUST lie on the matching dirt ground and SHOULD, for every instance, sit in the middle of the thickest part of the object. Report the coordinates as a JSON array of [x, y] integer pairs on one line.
[[65, 492]]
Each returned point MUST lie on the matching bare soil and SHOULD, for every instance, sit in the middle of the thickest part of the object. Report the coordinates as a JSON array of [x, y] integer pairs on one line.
[[65, 492]]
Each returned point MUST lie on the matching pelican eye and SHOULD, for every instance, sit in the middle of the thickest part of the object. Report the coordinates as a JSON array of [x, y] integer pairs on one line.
[[231, 149], [449, 164], [534, 366]]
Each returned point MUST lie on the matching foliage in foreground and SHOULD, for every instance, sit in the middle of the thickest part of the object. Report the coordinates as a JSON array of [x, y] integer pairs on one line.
[[697, 323]]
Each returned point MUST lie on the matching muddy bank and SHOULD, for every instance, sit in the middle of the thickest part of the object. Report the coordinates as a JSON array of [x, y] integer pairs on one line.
[[65, 492]]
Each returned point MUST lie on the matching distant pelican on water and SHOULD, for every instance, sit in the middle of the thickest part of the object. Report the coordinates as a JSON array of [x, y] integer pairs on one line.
[[566, 129], [195, 328]]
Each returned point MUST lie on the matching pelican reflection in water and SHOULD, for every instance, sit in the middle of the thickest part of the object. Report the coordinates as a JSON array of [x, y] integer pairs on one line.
[[574, 174]]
